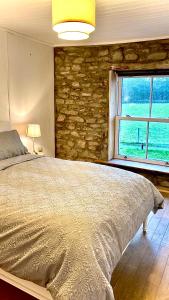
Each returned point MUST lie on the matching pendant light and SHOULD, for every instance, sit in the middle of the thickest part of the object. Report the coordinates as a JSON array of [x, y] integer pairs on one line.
[[73, 19]]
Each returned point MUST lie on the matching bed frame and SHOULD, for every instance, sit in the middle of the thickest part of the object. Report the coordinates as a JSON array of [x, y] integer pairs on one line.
[[33, 289], [26, 286]]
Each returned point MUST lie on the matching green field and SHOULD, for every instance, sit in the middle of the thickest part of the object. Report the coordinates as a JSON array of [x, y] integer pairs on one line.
[[132, 139]]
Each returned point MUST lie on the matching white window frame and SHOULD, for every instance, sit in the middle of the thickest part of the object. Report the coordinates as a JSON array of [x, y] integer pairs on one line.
[[149, 120]]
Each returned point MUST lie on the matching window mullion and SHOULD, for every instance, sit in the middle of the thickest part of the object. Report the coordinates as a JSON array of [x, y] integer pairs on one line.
[[119, 96], [117, 135], [147, 139], [150, 112], [151, 96], [159, 120]]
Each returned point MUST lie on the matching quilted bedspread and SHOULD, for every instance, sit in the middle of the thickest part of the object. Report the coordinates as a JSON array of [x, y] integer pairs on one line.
[[64, 224]]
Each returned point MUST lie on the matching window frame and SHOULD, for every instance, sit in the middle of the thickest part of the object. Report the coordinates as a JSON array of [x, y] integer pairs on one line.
[[149, 120]]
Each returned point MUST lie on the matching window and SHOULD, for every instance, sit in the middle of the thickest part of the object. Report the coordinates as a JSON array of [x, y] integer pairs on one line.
[[142, 121]]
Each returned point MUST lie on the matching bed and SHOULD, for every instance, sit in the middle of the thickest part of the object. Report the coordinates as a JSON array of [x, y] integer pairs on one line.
[[65, 224]]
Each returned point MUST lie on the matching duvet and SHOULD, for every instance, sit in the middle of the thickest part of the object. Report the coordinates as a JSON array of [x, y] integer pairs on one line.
[[64, 224]]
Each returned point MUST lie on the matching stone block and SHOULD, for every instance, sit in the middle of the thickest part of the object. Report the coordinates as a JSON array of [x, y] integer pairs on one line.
[[77, 119], [117, 56], [61, 118], [157, 56]]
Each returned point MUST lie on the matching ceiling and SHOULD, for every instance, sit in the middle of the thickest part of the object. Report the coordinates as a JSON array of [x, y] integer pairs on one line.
[[117, 20]]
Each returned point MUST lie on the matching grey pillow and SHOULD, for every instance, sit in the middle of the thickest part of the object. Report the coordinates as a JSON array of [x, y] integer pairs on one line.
[[11, 145]]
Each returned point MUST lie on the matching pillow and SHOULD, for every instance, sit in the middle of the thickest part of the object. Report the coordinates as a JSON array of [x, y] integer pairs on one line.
[[11, 145]]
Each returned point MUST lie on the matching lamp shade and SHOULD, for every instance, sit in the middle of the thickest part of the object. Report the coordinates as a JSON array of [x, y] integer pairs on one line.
[[73, 19], [33, 130]]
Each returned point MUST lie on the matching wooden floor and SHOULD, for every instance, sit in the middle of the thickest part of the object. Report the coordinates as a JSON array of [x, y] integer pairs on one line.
[[143, 271]]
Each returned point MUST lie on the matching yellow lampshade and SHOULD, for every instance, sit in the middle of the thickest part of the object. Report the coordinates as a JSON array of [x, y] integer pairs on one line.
[[73, 19], [33, 130]]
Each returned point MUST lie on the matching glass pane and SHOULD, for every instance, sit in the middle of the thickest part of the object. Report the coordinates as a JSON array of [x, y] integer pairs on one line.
[[158, 146], [132, 138], [160, 101], [136, 96]]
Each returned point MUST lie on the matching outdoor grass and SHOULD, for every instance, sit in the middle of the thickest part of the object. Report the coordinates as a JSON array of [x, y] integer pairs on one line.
[[133, 133]]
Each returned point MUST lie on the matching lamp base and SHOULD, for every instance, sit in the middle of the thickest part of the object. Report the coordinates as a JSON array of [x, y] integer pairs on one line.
[[34, 152]]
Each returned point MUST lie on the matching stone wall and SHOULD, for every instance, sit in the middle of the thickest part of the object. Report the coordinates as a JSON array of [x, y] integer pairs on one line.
[[82, 92]]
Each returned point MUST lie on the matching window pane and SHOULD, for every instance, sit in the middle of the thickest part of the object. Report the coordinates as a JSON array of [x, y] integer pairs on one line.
[[136, 96], [132, 138], [158, 147], [160, 101]]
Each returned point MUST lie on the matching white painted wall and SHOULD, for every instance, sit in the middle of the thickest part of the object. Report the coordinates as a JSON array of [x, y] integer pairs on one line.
[[30, 88], [4, 105]]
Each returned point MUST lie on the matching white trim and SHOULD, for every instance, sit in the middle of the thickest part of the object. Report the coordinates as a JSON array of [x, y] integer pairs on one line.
[[107, 43], [119, 103], [139, 165], [26, 286], [85, 44], [118, 117], [140, 76], [153, 120], [150, 112], [116, 137], [151, 95], [112, 113], [147, 161], [132, 158], [147, 138]]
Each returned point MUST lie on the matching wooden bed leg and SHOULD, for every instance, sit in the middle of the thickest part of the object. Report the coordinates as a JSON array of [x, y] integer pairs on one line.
[[145, 225]]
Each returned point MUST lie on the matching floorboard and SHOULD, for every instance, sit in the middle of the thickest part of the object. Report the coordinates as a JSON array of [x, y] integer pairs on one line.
[[143, 271]]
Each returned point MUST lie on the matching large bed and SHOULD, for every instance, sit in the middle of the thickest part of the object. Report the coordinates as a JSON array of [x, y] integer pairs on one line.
[[64, 224]]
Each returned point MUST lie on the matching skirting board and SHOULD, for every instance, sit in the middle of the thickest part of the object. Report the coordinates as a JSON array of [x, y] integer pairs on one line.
[[26, 286]]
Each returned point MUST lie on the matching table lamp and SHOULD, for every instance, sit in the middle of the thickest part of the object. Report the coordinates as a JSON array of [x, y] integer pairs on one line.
[[33, 131]]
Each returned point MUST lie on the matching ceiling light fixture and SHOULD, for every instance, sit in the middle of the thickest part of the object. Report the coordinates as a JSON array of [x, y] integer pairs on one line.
[[73, 19]]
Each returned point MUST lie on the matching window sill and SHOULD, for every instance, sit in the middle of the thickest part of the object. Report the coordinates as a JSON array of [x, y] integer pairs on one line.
[[136, 165]]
